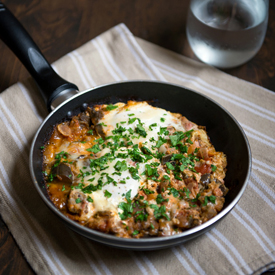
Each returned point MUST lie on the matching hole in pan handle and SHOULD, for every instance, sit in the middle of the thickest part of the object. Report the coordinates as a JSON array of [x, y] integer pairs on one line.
[[53, 88]]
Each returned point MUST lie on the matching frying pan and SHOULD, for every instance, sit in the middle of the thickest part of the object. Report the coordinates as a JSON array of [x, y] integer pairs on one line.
[[63, 102]]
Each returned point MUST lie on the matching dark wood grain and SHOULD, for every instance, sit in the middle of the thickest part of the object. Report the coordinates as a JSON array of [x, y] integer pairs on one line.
[[12, 260], [60, 26]]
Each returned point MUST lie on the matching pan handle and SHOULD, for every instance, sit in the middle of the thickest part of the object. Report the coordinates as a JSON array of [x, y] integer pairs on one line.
[[53, 88]]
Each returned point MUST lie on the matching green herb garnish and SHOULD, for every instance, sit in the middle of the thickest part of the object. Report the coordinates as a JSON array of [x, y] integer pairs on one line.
[[111, 107]]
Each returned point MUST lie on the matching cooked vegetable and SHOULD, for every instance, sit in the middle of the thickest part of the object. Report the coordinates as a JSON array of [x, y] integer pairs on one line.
[[138, 171], [63, 172]]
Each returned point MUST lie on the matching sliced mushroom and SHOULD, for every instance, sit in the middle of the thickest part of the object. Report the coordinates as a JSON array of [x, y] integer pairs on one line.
[[205, 179], [64, 173], [84, 118], [223, 189], [164, 184], [64, 129], [166, 158], [75, 201], [99, 130], [96, 114]]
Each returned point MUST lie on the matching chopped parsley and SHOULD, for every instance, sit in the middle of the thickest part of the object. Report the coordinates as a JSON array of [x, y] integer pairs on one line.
[[152, 125], [134, 173], [140, 130], [160, 199], [159, 212], [111, 107], [213, 167], [126, 207], [141, 216], [170, 166], [132, 120], [91, 188], [58, 158], [89, 199], [160, 142], [78, 200], [148, 191], [121, 166], [197, 197], [173, 191], [178, 136], [107, 194], [211, 198], [187, 192], [95, 149], [149, 171], [147, 151]]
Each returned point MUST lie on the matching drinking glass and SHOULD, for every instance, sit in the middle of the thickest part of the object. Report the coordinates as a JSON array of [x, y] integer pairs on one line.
[[226, 33]]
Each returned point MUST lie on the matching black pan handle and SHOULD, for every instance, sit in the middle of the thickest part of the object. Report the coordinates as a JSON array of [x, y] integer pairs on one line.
[[53, 88]]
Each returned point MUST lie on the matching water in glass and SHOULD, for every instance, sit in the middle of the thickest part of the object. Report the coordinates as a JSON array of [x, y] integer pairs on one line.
[[226, 33]]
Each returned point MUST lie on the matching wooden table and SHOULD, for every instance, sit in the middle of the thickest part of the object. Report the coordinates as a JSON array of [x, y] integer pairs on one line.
[[60, 26]]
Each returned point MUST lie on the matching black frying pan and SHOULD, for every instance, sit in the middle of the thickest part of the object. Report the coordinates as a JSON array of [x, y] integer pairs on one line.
[[224, 131]]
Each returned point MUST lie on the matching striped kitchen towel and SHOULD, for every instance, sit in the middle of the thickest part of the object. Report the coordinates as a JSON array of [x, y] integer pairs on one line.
[[243, 243]]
